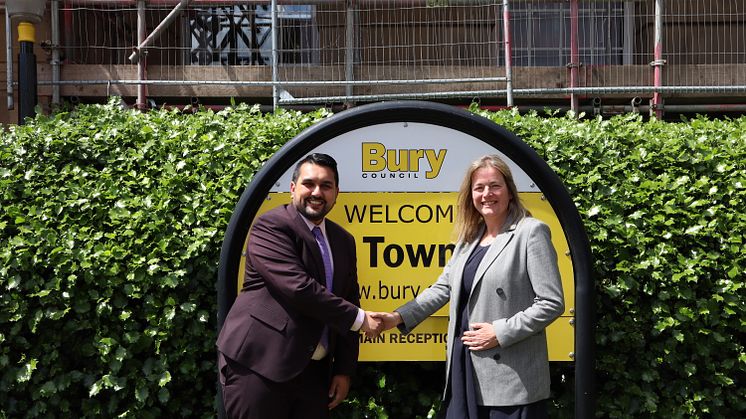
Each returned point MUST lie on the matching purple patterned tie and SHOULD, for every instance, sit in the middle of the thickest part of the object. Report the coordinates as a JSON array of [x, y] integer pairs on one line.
[[325, 256], [327, 273]]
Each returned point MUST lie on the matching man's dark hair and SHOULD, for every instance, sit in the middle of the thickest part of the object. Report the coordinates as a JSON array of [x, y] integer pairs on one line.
[[320, 159]]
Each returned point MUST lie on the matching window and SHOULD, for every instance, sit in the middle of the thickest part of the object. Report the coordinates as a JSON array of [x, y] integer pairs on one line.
[[541, 33]]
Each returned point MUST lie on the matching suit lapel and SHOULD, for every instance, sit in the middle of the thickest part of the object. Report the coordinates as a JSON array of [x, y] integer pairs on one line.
[[300, 226], [458, 269], [497, 246]]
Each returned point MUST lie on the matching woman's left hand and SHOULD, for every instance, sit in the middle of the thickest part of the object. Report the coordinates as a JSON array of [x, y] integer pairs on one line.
[[481, 337]]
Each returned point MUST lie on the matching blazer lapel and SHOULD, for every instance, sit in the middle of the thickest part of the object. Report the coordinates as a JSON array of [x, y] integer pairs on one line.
[[457, 270], [305, 234], [497, 246]]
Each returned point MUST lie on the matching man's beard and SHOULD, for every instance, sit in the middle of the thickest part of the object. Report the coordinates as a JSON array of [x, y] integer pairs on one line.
[[311, 214]]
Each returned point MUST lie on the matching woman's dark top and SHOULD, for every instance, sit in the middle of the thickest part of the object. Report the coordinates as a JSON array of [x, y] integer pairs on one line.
[[462, 403]]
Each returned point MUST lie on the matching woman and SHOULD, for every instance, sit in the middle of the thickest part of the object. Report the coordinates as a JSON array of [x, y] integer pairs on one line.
[[504, 287]]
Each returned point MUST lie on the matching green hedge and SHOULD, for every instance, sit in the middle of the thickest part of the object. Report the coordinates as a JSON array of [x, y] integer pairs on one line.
[[111, 223], [663, 205]]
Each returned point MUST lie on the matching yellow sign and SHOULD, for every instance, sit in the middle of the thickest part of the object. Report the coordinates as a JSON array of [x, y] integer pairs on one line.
[[404, 239], [428, 342]]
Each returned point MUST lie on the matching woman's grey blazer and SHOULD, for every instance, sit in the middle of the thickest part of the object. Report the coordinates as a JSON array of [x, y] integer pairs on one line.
[[517, 288]]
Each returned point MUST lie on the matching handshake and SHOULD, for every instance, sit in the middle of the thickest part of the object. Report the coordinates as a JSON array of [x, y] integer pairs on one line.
[[377, 322]]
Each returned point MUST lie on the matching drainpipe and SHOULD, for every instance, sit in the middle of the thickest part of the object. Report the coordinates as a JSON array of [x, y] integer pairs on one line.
[[656, 105]]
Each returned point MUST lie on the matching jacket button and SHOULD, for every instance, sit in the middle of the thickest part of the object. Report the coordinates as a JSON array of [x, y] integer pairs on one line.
[[496, 357], [500, 292]]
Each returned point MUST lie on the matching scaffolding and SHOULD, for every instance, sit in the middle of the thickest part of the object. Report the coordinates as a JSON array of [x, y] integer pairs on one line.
[[598, 56]]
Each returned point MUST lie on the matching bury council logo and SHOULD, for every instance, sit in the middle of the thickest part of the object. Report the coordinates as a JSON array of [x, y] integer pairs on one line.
[[379, 162]]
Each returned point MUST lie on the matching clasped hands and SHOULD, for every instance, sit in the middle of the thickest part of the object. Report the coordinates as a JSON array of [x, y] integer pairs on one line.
[[377, 322]]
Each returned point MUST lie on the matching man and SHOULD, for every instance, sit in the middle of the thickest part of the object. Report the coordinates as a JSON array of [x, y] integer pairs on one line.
[[289, 344]]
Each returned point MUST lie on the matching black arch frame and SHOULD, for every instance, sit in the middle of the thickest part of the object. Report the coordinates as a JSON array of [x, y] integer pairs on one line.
[[461, 120]]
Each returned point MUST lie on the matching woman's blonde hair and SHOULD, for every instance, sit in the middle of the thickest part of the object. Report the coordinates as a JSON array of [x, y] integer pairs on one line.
[[468, 219]]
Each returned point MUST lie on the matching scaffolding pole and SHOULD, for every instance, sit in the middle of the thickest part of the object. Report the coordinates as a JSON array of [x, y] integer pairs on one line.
[[55, 51], [9, 59], [574, 54], [143, 43], [658, 61], [349, 50], [142, 89], [508, 53], [275, 60]]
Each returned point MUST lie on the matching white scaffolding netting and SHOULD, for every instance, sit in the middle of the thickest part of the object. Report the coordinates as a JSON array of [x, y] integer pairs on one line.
[[329, 49]]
